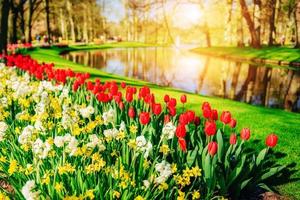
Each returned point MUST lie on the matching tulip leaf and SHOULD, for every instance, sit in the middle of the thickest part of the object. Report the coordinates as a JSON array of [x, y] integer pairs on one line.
[[261, 156], [220, 145], [271, 172], [191, 156], [237, 170], [207, 168]]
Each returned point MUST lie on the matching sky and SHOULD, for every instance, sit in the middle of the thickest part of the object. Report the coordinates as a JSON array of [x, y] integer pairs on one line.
[[183, 15]]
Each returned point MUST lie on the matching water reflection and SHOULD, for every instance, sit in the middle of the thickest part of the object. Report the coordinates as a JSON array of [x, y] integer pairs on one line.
[[258, 85]]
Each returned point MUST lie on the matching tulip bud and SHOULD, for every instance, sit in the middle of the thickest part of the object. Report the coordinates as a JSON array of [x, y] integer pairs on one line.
[[225, 117], [144, 118], [166, 119], [210, 128], [197, 121], [232, 123], [123, 85], [232, 139], [212, 148], [182, 144], [214, 114], [166, 98], [206, 111], [271, 140], [180, 130], [156, 108], [121, 105], [131, 112], [245, 134], [183, 98]]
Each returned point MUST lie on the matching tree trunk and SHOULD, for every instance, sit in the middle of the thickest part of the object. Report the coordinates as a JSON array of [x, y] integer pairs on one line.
[[272, 22], [22, 18], [245, 12], [14, 23], [48, 19], [297, 24], [29, 25], [72, 26], [62, 25], [4, 25], [207, 35]]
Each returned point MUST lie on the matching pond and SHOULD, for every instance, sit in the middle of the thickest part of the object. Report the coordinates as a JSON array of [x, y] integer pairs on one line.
[[277, 87]]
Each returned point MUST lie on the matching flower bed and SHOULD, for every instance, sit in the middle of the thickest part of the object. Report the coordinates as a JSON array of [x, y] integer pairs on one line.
[[65, 137]]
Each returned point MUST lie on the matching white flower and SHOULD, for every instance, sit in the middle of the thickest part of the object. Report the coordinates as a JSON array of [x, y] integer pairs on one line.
[[59, 141], [109, 116], [26, 135], [164, 170], [28, 192], [140, 141], [146, 183], [122, 126], [38, 125], [111, 133], [3, 128], [87, 112], [168, 131], [94, 142], [41, 149]]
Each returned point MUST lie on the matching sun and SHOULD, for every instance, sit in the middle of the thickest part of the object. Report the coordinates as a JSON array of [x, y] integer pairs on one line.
[[187, 15]]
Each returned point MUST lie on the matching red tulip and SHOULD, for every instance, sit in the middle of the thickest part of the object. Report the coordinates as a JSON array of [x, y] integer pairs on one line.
[[172, 102], [245, 134], [225, 117], [131, 112], [156, 108], [206, 105], [182, 144], [183, 119], [166, 119], [232, 139], [206, 111], [271, 140], [232, 123], [172, 111], [180, 130], [144, 118], [191, 115], [183, 98], [123, 85], [121, 105], [214, 114], [166, 98], [212, 148], [210, 128], [129, 97], [197, 121]]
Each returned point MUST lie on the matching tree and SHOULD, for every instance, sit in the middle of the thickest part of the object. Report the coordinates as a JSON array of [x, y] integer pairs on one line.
[[5, 7], [254, 37], [297, 24], [272, 22], [48, 20]]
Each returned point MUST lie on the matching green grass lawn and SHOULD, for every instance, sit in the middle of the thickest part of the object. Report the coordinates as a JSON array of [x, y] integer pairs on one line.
[[287, 54], [260, 120]]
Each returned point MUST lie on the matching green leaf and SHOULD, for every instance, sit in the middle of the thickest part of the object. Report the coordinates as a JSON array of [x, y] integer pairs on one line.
[[207, 168], [236, 172], [271, 172], [191, 156], [261, 156], [220, 145]]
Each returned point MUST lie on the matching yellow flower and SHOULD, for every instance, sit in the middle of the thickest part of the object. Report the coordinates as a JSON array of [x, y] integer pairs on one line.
[[123, 185], [50, 140], [196, 171], [13, 167], [132, 144], [114, 153], [196, 195], [174, 168], [67, 168], [181, 195], [59, 187], [2, 159], [146, 164], [46, 179], [89, 194], [25, 147], [139, 198], [163, 186], [133, 129], [121, 135], [116, 194], [29, 169], [164, 149], [3, 196]]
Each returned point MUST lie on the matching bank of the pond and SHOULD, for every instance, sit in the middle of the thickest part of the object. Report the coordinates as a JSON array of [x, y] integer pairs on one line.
[[260, 120], [285, 56]]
